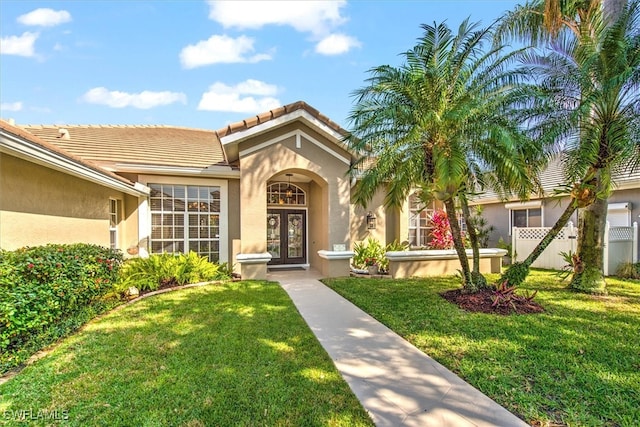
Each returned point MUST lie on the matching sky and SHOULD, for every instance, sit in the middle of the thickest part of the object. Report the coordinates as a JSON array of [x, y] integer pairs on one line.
[[203, 64]]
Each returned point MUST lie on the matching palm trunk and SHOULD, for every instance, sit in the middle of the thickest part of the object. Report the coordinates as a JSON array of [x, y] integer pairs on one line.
[[588, 276], [467, 284], [473, 236], [510, 275]]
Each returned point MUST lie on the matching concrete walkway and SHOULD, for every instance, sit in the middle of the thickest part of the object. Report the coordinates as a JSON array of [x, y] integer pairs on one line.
[[397, 384]]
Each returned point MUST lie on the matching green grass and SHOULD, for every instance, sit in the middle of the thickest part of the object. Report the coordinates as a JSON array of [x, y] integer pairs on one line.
[[577, 364], [237, 354]]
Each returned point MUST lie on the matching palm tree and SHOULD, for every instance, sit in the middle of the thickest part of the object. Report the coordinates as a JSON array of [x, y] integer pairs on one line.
[[435, 124], [590, 79]]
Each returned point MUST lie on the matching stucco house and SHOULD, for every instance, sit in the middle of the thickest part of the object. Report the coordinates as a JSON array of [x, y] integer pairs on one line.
[[269, 191], [544, 210]]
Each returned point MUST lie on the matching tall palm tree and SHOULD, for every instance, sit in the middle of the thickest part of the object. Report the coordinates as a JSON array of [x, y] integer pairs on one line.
[[434, 123], [590, 78]]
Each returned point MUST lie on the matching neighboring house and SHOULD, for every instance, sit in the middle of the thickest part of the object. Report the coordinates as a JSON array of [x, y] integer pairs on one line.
[[274, 183], [624, 205]]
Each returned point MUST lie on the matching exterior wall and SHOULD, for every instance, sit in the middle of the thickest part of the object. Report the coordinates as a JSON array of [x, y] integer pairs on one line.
[[39, 205], [273, 153], [359, 231], [234, 218], [317, 223]]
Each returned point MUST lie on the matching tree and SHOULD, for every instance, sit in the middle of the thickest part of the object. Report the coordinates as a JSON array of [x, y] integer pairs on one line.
[[440, 123], [588, 83]]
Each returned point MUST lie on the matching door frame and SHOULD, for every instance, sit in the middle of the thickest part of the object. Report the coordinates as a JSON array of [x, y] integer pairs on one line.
[[305, 230]]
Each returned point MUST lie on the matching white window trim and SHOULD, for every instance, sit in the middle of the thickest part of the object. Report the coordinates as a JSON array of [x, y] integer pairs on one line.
[[534, 204], [118, 220], [224, 205]]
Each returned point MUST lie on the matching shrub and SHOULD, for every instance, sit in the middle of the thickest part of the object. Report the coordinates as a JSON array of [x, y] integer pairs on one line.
[[148, 274], [629, 270], [516, 274], [372, 252], [48, 291], [367, 253]]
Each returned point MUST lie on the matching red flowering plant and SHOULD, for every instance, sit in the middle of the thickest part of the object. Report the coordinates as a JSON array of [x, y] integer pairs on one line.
[[370, 261], [441, 237]]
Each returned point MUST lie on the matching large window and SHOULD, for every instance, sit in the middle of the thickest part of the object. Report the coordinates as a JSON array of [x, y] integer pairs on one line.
[[419, 222], [185, 218]]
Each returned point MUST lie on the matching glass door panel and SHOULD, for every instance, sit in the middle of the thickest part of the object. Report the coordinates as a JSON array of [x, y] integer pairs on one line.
[[273, 236], [295, 235], [286, 236]]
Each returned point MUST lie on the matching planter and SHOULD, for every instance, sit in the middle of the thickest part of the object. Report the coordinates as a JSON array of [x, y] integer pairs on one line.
[[372, 269]]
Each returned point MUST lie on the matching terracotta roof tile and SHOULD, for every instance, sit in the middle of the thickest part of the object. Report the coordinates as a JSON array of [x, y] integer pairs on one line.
[[42, 143], [151, 145], [274, 114]]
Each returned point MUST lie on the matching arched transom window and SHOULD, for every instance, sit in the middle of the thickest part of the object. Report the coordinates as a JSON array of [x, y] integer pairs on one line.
[[285, 193]]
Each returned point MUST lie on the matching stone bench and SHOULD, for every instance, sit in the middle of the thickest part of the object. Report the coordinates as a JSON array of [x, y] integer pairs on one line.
[[440, 262]]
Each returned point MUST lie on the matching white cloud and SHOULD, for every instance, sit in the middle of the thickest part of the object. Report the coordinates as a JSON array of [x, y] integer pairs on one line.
[[19, 45], [221, 97], [220, 49], [143, 100], [336, 44], [316, 17], [11, 106], [45, 17]]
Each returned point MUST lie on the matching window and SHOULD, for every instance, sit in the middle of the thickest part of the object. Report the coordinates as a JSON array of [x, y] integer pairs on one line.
[[114, 220], [419, 222], [283, 193], [526, 214], [185, 218]]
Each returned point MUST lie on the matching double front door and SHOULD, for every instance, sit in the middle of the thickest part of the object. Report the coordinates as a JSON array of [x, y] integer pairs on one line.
[[286, 236]]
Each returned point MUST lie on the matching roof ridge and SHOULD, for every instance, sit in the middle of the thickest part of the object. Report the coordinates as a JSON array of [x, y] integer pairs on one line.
[[274, 113], [111, 126]]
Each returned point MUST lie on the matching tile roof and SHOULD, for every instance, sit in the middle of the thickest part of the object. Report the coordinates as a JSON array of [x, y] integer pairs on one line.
[[274, 114], [107, 145], [553, 177], [42, 143]]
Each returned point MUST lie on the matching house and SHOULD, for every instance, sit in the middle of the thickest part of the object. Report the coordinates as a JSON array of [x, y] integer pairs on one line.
[[544, 211], [272, 190]]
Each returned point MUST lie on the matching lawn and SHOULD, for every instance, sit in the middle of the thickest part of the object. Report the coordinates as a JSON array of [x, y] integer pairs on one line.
[[576, 364], [234, 354]]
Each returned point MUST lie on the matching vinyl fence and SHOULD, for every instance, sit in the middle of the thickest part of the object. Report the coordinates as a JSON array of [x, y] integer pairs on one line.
[[621, 246]]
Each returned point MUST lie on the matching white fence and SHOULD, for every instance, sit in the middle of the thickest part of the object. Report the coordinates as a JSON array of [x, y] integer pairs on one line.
[[621, 245]]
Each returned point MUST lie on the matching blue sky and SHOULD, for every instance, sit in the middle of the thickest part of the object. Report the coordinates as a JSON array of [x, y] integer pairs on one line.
[[202, 64]]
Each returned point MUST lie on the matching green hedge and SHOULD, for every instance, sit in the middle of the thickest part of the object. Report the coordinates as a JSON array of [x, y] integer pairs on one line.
[[48, 291]]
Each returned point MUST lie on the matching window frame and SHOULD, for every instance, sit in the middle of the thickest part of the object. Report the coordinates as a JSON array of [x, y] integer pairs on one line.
[[223, 245], [115, 217]]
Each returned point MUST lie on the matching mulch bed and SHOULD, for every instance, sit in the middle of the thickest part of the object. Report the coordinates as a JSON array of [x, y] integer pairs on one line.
[[481, 302]]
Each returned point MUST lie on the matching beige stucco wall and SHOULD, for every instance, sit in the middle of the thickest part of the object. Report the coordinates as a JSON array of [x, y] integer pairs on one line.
[[39, 205], [392, 222], [234, 217], [268, 155]]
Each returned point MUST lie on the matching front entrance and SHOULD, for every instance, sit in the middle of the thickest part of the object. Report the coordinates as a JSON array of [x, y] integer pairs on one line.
[[287, 236]]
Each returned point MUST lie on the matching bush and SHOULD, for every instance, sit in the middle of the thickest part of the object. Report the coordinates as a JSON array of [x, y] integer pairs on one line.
[[372, 252], [48, 291], [629, 270], [148, 274]]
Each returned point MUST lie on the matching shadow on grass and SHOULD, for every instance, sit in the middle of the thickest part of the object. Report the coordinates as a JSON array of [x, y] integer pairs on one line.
[[577, 363], [233, 354]]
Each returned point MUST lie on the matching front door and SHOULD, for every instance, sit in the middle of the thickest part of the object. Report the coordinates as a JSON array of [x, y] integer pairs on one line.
[[286, 236]]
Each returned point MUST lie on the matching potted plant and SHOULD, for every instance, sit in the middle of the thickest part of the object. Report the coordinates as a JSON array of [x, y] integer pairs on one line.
[[372, 265]]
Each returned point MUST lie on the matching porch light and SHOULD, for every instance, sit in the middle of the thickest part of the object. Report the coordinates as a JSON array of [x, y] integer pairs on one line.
[[371, 221], [288, 192]]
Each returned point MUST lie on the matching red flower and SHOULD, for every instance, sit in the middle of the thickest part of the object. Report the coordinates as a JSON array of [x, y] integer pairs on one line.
[[30, 265]]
